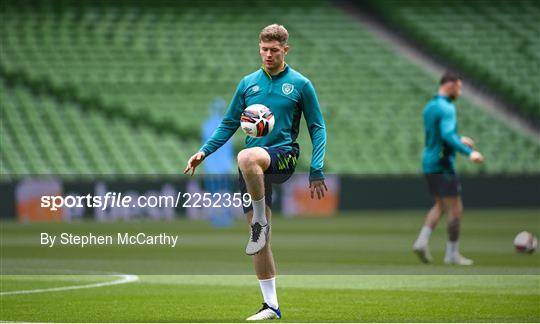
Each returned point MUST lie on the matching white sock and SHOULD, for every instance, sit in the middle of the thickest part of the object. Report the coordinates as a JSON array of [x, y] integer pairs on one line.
[[259, 212], [451, 248], [268, 289], [423, 237]]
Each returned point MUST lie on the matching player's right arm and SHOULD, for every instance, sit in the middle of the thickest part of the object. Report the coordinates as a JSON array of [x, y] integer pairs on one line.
[[448, 124], [194, 162], [225, 130]]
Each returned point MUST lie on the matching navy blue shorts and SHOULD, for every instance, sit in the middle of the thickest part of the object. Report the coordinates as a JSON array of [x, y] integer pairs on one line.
[[443, 184], [282, 166]]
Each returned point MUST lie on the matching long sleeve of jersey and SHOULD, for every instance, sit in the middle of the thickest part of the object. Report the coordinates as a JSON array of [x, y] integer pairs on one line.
[[448, 126], [229, 124], [317, 130]]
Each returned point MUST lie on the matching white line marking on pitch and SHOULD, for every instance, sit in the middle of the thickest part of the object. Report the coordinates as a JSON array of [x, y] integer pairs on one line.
[[123, 279]]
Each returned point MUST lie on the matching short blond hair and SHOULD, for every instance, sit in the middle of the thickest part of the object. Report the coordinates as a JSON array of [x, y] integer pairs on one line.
[[274, 32]]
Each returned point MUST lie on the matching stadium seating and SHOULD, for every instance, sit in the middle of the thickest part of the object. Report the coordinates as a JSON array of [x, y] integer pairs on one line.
[[497, 42], [122, 87], [44, 136]]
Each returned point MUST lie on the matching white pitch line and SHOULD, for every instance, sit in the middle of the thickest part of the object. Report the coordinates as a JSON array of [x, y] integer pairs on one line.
[[124, 278]]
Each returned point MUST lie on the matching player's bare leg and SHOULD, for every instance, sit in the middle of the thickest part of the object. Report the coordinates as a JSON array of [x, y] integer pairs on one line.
[[454, 207], [266, 272], [421, 245], [252, 162], [434, 214], [264, 260]]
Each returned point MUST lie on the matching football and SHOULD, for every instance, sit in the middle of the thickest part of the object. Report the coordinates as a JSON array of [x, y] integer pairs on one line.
[[257, 120], [525, 242]]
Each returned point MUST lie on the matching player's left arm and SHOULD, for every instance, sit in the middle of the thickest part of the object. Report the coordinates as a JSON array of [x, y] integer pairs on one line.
[[317, 132], [449, 134], [448, 125]]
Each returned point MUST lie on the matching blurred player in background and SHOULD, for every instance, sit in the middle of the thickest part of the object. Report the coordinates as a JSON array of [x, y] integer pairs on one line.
[[272, 158], [441, 143]]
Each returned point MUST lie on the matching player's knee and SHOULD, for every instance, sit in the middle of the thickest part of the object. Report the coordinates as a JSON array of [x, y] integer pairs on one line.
[[456, 212], [246, 159], [438, 207]]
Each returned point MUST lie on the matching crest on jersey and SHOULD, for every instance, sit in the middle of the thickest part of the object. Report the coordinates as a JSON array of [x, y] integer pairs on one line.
[[255, 88], [287, 88]]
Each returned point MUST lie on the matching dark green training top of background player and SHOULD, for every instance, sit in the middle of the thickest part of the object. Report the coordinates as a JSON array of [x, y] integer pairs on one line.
[[441, 130]]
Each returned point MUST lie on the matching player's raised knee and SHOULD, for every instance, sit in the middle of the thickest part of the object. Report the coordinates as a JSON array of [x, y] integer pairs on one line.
[[439, 206], [246, 159]]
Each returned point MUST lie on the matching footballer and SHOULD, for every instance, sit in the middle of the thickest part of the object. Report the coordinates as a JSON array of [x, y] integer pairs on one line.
[[272, 158], [441, 144]]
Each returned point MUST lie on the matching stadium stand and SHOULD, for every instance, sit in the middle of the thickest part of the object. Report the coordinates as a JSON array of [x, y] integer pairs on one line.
[[42, 135], [118, 88], [497, 42]]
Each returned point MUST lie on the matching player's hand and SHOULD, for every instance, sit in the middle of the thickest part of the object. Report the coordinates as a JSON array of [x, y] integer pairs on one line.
[[467, 141], [194, 162], [476, 157], [319, 187]]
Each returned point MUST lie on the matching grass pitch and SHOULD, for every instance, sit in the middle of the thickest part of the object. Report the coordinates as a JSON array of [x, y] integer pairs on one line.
[[350, 268]]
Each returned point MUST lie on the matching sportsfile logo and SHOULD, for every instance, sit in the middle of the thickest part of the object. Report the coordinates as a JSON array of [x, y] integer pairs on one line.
[[119, 200], [111, 199]]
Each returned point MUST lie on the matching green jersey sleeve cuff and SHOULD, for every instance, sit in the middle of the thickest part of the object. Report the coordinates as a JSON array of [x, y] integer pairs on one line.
[[205, 151], [316, 175]]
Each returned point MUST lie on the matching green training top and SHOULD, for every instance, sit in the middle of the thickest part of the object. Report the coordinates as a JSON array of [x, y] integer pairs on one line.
[[288, 95], [441, 137]]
